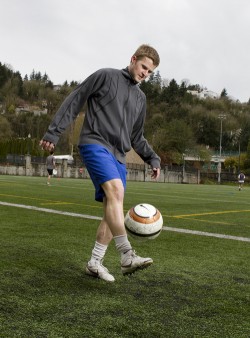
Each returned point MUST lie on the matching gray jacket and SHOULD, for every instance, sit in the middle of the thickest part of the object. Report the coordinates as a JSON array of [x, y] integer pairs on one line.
[[115, 115]]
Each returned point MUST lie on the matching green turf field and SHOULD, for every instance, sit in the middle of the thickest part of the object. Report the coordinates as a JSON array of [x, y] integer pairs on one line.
[[198, 286]]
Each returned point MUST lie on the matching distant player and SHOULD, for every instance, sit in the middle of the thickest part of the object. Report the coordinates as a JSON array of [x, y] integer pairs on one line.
[[241, 180], [50, 163]]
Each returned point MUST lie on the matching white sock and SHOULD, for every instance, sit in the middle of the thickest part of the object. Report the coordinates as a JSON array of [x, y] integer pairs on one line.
[[122, 243], [99, 251]]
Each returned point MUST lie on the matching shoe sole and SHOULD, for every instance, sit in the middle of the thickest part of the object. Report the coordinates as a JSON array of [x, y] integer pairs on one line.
[[130, 271], [96, 275]]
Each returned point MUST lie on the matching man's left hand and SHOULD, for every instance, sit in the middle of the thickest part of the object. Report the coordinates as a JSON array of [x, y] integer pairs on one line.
[[155, 173]]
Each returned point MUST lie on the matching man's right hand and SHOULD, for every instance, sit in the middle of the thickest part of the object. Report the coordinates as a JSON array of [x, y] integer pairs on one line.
[[46, 145]]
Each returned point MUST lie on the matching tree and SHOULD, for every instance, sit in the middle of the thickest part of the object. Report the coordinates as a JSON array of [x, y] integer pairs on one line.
[[170, 94], [45, 78], [182, 89], [152, 87], [223, 94], [204, 125], [157, 78], [174, 139], [247, 159], [231, 164], [31, 90], [5, 129]]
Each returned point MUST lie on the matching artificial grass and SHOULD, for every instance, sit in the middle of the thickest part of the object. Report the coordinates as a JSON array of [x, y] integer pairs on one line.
[[197, 287]]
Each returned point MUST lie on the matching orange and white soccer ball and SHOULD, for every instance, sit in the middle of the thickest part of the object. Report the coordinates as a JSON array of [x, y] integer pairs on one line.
[[144, 221]]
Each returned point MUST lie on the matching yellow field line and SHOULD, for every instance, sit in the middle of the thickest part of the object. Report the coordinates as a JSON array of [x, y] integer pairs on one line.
[[199, 220], [46, 201], [212, 213], [50, 201]]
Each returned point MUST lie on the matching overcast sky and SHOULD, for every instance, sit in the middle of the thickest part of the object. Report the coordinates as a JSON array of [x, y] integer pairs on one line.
[[204, 41]]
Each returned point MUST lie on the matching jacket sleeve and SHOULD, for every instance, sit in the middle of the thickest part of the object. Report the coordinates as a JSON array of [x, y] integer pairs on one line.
[[72, 105], [140, 144]]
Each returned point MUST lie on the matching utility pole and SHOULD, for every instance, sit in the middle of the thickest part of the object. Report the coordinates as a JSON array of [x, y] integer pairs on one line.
[[221, 117]]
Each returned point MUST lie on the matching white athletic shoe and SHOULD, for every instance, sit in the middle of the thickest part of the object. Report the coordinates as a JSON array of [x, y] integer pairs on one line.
[[95, 269], [130, 262]]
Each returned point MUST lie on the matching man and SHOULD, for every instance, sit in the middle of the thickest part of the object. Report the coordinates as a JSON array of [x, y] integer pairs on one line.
[[113, 124], [50, 164], [241, 180]]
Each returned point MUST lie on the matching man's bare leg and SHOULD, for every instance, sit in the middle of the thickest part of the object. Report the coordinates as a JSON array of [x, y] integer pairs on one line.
[[112, 226]]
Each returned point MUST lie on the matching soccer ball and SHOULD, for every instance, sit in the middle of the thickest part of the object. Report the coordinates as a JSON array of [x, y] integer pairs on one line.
[[143, 221]]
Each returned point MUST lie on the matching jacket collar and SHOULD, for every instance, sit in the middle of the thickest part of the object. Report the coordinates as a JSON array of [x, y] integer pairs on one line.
[[127, 75]]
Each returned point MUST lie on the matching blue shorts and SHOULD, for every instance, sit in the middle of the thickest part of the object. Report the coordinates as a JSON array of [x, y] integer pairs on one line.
[[102, 166]]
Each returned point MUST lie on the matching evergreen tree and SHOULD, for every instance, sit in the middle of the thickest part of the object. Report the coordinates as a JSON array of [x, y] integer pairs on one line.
[[224, 93]]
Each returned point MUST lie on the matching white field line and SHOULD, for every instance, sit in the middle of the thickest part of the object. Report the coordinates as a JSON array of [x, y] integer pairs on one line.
[[52, 211], [72, 214], [209, 234]]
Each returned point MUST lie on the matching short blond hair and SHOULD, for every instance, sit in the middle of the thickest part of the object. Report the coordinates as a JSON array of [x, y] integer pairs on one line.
[[148, 51]]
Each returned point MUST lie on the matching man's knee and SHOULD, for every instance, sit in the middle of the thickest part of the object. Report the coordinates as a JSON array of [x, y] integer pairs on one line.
[[113, 189]]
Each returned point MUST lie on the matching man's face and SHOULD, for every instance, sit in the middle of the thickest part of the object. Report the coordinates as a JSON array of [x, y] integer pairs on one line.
[[141, 69]]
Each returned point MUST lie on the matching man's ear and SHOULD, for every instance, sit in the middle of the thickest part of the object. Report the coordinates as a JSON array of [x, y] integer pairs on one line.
[[133, 59]]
